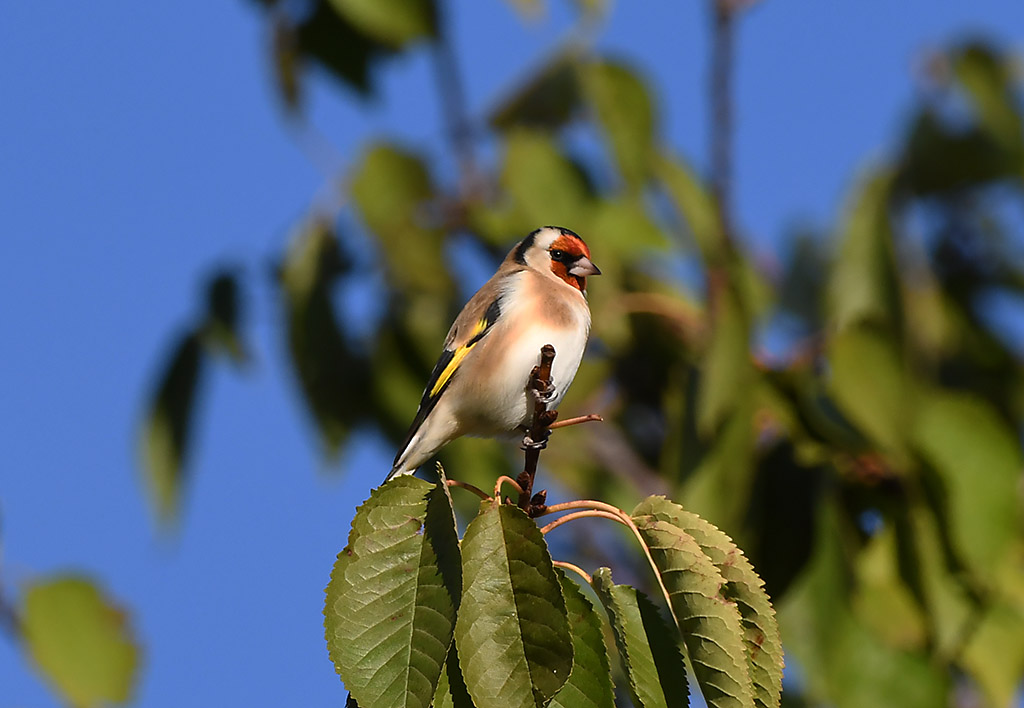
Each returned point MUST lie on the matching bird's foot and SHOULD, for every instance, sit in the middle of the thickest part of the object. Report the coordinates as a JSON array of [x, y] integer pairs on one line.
[[530, 444]]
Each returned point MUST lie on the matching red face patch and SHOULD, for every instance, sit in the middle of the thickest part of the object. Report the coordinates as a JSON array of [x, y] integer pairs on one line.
[[564, 252]]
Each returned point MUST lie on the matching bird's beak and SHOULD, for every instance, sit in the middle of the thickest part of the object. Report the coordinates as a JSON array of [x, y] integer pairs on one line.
[[583, 267]]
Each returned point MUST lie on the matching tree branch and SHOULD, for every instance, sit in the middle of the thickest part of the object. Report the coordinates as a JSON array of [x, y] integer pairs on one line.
[[539, 385]]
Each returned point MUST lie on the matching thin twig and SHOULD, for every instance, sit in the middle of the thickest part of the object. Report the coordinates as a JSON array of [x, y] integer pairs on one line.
[[590, 418], [505, 479], [574, 568], [453, 102], [723, 14], [466, 485], [578, 515]]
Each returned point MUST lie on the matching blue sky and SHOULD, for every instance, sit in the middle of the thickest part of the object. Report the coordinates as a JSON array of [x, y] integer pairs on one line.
[[141, 144]]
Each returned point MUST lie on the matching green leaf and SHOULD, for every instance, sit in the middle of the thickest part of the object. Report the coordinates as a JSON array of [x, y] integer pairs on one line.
[[451, 689], [513, 637], [544, 186], [546, 100], [393, 594], [626, 114], [695, 204], [742, 586], [844, 663], [863, 285], [623, 229], [989, 81], [223, 314], [392, 188], [80, 640], [394, 22], [979, 460], [870, 386], [994, 655], [882, 601], [590, 683], [709, 623], [167, 431], [334, 379], [648, 651], [727, 367]]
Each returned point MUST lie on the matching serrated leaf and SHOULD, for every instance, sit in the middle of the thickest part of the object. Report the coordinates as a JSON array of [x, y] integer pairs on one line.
[[863, 284], [743, 586], [392, 188], [647, 649], [709, 623], [80, 640], [512, 634], [451, 689], [625, 111], [870, 386], [391, 602], [590, 683], [979, 460], [394, 22], [544, 186], [167, 430]]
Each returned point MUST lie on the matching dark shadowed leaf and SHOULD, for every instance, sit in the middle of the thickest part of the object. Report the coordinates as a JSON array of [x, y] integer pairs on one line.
[[394, 22], [512, 633], [167, 430], [339, 47], [334, 379], [394, 590], [709, 623], [80, 640], [546, 100], [648, 649], [451, 689], [590, 682], [742, 586], [626, 113], [989, 80], [223, 316]]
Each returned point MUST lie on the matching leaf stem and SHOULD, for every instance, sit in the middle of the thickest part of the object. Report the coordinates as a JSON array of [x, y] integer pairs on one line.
[[504, 479], [466, 485], [589, 418], [574, 568]]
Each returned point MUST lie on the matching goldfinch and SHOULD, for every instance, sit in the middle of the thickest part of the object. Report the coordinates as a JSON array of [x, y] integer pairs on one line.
[[478, 387]]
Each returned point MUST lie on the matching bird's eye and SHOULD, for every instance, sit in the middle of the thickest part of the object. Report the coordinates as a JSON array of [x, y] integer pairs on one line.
[[557, 255]]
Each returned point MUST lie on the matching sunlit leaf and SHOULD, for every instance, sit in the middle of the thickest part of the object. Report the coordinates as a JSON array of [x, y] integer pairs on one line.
[[710, 623], [882, 601], [994, 655], [625, 110], [743, 586], [394, 22], [648, 650], [512, 633], [391, 601], [80, 640], [544, 186], [863, 285], [167, 429], [590, 682], [979, 460], [392, 188]]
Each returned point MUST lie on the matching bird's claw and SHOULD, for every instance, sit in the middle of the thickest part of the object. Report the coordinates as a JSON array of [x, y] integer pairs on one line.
[[530, 444]]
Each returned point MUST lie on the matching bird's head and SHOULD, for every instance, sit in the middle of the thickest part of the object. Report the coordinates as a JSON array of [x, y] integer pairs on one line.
[[560, 252]]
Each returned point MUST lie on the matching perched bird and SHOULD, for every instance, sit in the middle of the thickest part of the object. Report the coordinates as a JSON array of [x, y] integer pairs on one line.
[[478, 387]]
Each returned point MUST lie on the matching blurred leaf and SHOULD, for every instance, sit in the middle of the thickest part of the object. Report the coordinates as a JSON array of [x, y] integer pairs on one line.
[[334, 380], [223, 315], [339, 47], [647, 648], [994, 655], [845, 665], [545, 187], [988, 79], [979, 461], [881, 601], [80, 640], [590, 681], [727, 372], [167, 431], [391, 189], [546, 100], [695, 204], [870, 386], [709, 623], [512, 632], [391, 602], [624, 230], [287, 63], [863, 285], [394, 22], [626, 113], [742, 586]]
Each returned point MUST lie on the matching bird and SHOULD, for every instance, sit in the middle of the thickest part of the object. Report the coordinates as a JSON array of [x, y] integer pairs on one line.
[[479, 385]]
